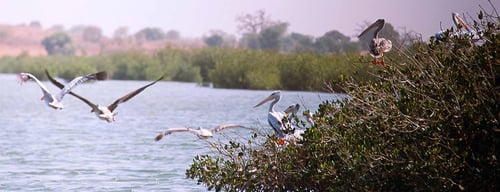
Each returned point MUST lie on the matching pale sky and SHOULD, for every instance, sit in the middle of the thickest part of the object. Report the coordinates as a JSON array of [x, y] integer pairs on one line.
[[195, 18]]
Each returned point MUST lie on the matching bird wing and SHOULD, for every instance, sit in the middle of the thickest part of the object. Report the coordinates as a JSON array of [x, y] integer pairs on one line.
[[226, 126], [61, 86], [379, 24], [23, 77], [178, 129], [125, 98], [275, 120], [79, 80]]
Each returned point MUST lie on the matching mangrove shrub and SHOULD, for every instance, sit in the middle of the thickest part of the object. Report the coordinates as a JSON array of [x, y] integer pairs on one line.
[[429, 122]]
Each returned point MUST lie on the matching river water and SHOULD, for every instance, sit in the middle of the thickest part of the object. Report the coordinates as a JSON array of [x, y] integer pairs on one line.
[[42, 149]]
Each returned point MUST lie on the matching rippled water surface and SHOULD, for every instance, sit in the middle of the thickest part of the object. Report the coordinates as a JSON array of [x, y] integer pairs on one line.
[[42, 149]]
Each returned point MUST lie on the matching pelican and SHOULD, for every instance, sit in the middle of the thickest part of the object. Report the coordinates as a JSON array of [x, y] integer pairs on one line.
[[202, 133], [290, 111], [276, 119], [293, 109], [378, 46], [309, 117], [297, 133], [55, 101], [104, 112], [460, 24]]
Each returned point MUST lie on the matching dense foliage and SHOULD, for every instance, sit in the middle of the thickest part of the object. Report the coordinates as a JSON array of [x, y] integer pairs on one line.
[[224, 67], [428, 122], [59, 44]]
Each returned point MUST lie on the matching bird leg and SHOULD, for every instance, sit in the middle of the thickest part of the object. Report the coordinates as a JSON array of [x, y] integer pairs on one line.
[[382, 62]]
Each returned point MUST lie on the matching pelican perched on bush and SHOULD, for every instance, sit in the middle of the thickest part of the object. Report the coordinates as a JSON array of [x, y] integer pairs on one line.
[[378, 46], [104, 112], [55, 101], [274, 118], [292, 109], [461, 26], [202, 133], [309, 117], [277, 119]]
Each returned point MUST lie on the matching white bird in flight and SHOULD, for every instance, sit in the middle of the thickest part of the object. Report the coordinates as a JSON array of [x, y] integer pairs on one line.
[[104, 112], [55, 101], [378, 46], [202, 133]]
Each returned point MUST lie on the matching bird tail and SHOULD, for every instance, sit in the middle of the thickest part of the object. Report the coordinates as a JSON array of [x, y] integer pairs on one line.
[[102, 75], [159, 137]]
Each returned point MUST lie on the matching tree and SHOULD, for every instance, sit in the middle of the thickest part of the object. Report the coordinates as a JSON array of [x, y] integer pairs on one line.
[[59, 44], [296, 42], [92, 34], [121, 34], [172, 35], [272, 37], [35, 24], [250, 41], [214, 40], [260, 32], [255, 23], [150, 34], [334, 42]]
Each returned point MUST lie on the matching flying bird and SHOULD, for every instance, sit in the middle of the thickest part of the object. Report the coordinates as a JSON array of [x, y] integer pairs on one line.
[[202, 133], [55, 101], [104, 112], [378, 46]]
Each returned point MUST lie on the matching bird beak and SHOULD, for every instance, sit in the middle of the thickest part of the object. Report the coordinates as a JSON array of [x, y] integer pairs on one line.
[[22, 78], [56, 107], [265, 100], [292, 108], [461, 22], [289, 109]]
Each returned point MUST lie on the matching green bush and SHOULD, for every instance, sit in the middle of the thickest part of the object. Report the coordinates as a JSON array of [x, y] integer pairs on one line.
[[224, 67], [429, 122]]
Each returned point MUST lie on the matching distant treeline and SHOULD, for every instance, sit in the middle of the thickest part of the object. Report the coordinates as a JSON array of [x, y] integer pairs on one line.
[[224, 67]]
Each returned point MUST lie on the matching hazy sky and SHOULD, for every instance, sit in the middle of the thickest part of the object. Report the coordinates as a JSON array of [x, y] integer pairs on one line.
[[195, 18]]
